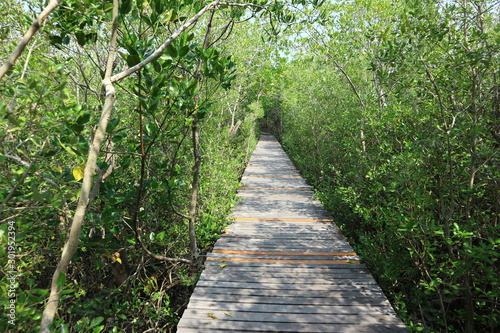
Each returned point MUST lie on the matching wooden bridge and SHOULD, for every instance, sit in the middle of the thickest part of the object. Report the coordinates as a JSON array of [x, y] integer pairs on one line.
[[283, 266]]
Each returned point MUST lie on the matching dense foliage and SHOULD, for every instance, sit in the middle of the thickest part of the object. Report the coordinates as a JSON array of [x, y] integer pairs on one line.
[[175, 145], [393, 115]]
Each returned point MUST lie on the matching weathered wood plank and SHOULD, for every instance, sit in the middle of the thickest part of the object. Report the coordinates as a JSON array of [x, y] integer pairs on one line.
[[260, 276], [304, 261], [277, 188], [277, 258], [341, 295], [310, 328], [289, 322], [323, 301], [273, 253], [304, 282], [290, 308], [344, 270], [286, 265], [313, 328], [283, 286], [291, 236], [268, 219]]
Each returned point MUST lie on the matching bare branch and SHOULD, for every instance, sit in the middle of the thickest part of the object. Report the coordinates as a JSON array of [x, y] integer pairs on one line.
[[156, 256], [9, 63], [157, 53]]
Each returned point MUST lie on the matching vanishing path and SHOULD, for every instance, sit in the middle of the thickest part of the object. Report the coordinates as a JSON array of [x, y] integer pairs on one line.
[[283, 266]]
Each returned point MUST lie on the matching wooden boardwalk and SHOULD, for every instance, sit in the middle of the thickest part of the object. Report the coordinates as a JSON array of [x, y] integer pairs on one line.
[[283, 266]]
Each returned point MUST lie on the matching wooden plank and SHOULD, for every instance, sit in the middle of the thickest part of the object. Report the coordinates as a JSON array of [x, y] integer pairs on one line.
[[286, 286], [286, 265], [310, 328], [276, 246], [282, 236], [305, 282], [278, 227], [312, 261], [282, 219], [257, 176], [265, 269], [249, 194], [300, 322], [276, 188], [230, 275], [341, 295], [288, 308], [223, 256], [285, 253], [304, 300]]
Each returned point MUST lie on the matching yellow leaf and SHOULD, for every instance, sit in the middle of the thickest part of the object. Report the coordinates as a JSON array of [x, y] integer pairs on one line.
[[168, 18], [59, 169], [78, 171], [212, 316], [116, 257]]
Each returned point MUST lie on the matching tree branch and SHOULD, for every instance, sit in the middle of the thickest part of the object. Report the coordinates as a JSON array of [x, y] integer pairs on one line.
[[157, 53], [9, 63]]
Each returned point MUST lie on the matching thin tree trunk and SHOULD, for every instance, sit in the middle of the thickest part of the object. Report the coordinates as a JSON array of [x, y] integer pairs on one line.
[[72, 243], [194, 191], [195, 132]]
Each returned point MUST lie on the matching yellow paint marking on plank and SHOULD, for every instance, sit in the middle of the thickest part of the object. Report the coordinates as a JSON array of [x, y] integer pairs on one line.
[[270, 253], [286, 261], [279, 220]]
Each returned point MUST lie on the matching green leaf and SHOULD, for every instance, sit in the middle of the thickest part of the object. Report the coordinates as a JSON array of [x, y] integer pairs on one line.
[[112, 125], [3, 108], [108, 7], [183, 51], [64, 328], [83, 119], [80, 38], [67, 291], [126, 6], [169, 17], [171, 51], [98, 329], [96, 321], [61, 280], [133, 59]]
